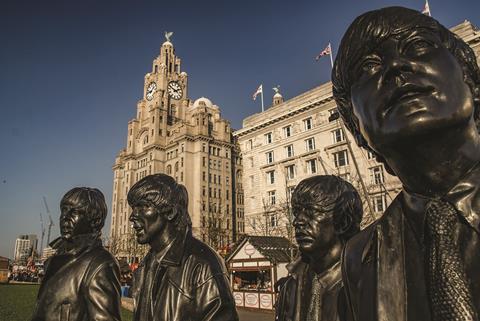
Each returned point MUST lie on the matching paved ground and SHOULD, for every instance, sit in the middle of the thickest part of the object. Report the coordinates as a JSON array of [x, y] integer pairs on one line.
[[244, 314], [252, 315]]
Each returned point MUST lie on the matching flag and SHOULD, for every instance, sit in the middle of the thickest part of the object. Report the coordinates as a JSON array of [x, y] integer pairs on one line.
[[259, 91], [426, 9], [326, 51]]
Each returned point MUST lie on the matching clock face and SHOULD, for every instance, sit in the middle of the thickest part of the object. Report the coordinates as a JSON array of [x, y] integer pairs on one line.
[[151, 90], [175, 90]]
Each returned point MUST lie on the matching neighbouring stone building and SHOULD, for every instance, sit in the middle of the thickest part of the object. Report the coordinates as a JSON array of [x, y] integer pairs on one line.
[[188, 140], [301, 137]]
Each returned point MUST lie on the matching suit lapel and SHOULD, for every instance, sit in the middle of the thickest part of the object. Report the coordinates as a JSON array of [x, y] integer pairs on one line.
[[391, 287]]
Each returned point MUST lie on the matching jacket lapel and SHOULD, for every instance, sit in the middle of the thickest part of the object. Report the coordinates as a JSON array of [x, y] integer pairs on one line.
[[391, 287]]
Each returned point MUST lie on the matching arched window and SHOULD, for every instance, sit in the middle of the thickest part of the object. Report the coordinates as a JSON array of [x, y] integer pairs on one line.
[[145, 139], [176, 167], [169, 169]]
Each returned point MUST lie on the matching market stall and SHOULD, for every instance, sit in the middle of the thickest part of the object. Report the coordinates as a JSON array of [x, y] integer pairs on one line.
[[255, 265]]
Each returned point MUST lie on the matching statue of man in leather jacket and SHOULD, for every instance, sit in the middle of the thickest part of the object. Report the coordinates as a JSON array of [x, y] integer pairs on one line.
[[81, 281], [181, 278], [408, 89], [327, 211]]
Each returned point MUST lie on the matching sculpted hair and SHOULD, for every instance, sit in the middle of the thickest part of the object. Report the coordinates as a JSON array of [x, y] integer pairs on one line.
[[332, 193], [90, 202], [368, 31], [161, 191]]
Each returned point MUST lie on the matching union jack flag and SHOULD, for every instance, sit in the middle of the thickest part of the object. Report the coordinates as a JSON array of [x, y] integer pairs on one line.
[[324, 52]]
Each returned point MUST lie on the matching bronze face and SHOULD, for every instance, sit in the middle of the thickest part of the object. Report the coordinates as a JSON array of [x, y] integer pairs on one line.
[[407, 86], [314, 229], [148, 222], [73, 222]]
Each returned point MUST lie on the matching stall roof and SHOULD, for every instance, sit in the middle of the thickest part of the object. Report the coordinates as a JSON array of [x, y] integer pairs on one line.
[[275, 248]]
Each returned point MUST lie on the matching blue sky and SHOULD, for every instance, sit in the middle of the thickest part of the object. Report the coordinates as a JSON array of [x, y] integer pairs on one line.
[[72, 72]]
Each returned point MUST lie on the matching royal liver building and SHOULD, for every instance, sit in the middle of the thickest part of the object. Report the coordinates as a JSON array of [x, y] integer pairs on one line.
[[188, 140]]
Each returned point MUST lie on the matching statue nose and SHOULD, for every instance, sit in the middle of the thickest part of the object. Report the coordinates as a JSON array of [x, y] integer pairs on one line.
[[396, 68]]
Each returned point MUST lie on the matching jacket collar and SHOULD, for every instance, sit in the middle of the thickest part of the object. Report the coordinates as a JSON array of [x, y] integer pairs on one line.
[[390, 264]]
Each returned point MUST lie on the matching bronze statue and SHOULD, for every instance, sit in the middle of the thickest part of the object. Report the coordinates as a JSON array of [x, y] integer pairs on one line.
[[327, 211], [82, 279], [408, 89], [181, 278]]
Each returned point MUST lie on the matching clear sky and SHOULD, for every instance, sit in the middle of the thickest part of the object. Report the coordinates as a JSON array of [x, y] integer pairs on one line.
[[72, 72]]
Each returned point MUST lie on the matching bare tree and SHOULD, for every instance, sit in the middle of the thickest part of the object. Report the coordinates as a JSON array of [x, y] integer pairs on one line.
[[112, 243]]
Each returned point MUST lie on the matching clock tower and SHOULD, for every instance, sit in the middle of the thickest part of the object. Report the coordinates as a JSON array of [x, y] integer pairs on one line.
[[188, 140]]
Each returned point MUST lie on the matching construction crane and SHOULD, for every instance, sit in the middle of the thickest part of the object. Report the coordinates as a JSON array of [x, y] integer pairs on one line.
[[43, 232], [50, 223]]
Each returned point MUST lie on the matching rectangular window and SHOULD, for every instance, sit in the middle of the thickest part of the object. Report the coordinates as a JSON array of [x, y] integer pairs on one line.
[[287, 131], [271, 198], [312, 166], [269, 156], [273, 220], [376, 175], [290, 172], [249, 144], [370, 155], [271, 177], [308, 123], [289, 151], [310, 144], [338, 136], [340, 158], [379, 203], [268, 138], [290, 190]]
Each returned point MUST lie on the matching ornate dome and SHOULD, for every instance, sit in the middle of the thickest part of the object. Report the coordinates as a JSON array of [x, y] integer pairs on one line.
[[202, 102]]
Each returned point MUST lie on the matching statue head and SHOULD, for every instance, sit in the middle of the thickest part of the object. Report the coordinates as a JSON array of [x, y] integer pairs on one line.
[[400, 74], [159, 206], [327, 211], [83, 211]]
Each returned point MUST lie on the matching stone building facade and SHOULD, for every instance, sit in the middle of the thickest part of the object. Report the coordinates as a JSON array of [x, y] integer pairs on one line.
[[302, 137], [188, 140]]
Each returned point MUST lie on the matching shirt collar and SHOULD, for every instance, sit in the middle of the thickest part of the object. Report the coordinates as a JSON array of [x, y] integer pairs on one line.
[[464, 196], [327, 278]]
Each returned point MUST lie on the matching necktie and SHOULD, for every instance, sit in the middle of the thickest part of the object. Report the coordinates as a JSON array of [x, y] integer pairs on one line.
[[315, 307], [448, 289]]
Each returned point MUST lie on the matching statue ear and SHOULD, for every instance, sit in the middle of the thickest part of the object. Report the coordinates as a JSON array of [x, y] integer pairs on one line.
[[344, 224], [172, 214]]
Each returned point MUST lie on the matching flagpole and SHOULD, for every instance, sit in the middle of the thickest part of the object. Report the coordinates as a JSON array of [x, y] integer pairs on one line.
[[262, 98], [331, 54]]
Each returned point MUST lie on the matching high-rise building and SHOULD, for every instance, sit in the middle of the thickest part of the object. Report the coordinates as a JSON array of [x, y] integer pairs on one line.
[[188, 140], [301, 137], [25, 246]]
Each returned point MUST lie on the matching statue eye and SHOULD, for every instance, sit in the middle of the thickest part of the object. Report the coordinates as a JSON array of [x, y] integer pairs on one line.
[[369, 64], [417, 46]]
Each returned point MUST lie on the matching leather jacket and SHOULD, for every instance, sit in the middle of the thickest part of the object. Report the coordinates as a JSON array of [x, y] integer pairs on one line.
[[189, 283], [81, 283], [295, 295]]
